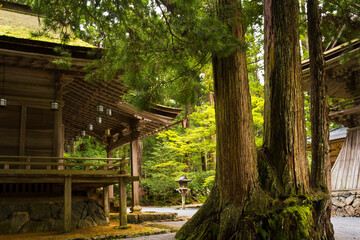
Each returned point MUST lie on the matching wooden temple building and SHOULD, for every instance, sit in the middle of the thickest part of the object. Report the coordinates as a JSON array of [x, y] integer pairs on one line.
[[42, 107], [342, 72]]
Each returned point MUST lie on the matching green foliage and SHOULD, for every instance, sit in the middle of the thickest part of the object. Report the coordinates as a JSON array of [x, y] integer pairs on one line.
[[257, 104], [64, 62], [198, 185], [93, 149], [160, 170], [340, 21]]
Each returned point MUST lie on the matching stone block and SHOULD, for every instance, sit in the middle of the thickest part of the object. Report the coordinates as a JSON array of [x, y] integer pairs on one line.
[[19, 207], [357, 212], [55, 209], [340, 212], [350, 211], [38, 226], [40, 211], [84, 213], [5, 212], [5, 226], [349, 200], [356, 203], [93, 205], [17, 221], [133, 218], [99, 218], [337, 203], [333, 211], [87, 222], [58, 224], [77, 210]]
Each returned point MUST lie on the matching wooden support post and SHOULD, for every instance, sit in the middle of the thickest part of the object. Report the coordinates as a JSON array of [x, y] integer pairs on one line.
[[136, 159], [22, 132], [28, 159], [111, 187], [122, 203], [67, 204], [106, 203], [58, 132]]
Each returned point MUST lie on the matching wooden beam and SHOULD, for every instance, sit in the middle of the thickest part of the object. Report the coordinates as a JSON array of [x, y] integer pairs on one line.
[[67, 204], [121, 142], [122, 203]]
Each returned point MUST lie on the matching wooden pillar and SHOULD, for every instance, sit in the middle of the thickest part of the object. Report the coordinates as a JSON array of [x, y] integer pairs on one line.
[[111, 187], [23, 130], [136, 159], [67, 204], [58, 133], [106, 203], [122, 203]]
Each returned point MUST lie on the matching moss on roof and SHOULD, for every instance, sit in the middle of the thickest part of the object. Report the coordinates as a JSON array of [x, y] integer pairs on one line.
[[25, 26]]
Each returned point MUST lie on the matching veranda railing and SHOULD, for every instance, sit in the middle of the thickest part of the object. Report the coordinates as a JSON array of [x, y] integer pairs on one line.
[[65, 165]]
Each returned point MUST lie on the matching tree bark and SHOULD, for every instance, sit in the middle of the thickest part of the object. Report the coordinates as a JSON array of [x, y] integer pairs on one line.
[[187, 156], [203, 162], [320, 166], [319, 107], [236, 175], [284, 128], [265, 196]]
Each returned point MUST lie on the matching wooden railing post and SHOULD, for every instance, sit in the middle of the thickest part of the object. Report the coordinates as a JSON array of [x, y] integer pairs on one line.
[[122, 203], [106, 203], [28, 160], [67, 204]]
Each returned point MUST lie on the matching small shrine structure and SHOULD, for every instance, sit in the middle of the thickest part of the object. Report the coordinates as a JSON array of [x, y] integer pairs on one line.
[[342, 72], [43, 109]]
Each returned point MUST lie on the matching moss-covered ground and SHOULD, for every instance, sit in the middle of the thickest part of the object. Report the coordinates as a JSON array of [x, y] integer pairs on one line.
[[99, 232]]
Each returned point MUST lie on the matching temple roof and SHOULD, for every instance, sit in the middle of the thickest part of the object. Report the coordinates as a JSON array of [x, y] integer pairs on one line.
[[79, 98], [342, 71], [18, 21]]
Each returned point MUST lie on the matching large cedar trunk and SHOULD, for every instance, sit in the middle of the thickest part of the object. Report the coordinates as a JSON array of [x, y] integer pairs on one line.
[[264, 196], [320, 166], [284, 132]]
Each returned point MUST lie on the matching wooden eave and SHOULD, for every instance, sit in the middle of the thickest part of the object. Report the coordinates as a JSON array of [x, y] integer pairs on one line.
[[340, 77], [80, 98], [349, 117]]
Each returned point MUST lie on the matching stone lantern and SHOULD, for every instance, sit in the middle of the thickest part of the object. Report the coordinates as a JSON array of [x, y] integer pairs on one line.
[[183, 190]]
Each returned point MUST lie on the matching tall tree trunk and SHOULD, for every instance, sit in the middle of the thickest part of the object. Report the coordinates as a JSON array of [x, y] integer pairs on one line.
[[264, 197], [320, 166], [236, 176], [203, 161], [319, 107], [187, 156], [285, 137]]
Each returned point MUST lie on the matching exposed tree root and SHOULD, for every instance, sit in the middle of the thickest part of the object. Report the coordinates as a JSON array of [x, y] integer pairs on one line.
[[261, 217]]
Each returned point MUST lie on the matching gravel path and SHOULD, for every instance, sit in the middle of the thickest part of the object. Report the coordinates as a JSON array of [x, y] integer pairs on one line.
[[189, 212], [166, 236], [346, 228]]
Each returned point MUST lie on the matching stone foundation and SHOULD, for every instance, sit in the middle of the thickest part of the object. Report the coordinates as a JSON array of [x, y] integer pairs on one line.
[[20, 215], [345, 204]]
